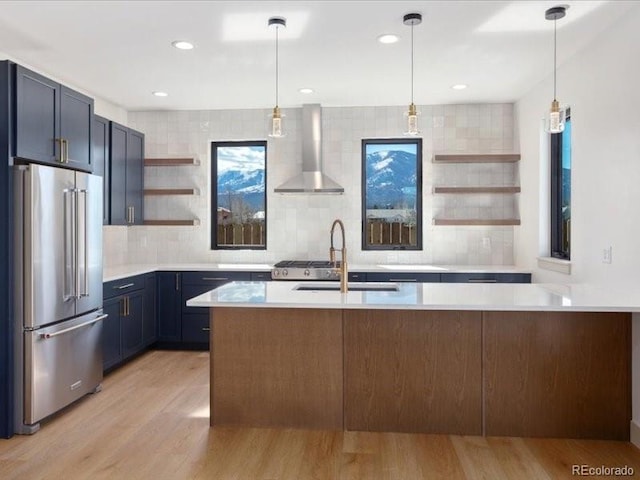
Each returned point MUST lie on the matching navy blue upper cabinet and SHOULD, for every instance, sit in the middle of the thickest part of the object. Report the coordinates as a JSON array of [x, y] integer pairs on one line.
[[135, 177], [53, 122], [100, 155], [126, 176], [118, 174], [76, 117]]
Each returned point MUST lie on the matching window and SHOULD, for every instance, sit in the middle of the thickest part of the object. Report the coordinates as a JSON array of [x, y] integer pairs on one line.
[[238, 195], [392, 194], [561, 191]]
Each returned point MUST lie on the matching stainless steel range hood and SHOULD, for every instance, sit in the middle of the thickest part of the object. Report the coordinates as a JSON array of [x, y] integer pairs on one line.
[[312, 179]]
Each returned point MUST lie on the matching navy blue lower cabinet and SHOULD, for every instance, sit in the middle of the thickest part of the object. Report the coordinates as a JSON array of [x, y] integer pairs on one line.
[[111, 350], [195, 320], [149, 314], [403, 277], [131, 339], [195, 327], [483, 277], [261, 276], [357, 276], [169, 306]]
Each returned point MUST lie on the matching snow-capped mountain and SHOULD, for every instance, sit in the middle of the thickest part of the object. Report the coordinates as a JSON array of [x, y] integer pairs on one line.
[[391, 179], [248, 183]]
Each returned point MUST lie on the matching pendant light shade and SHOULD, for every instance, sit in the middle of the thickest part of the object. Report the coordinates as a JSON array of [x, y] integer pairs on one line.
[[557, 114], [412, 19], [276, 117]]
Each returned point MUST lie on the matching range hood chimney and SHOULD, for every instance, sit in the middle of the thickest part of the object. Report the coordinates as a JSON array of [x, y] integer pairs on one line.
[[312, 179]]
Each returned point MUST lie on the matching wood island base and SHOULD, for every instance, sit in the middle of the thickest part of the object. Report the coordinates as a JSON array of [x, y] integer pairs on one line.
[[526, 374]]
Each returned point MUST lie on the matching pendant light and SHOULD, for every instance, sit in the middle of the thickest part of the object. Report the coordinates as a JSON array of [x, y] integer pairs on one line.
[[556, 115], [412, 19], [276, 116]]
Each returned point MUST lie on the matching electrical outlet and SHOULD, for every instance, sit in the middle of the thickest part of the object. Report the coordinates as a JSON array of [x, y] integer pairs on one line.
[[606, 255]]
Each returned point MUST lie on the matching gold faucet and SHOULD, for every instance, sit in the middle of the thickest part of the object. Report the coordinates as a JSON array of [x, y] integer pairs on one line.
[[342, 270]]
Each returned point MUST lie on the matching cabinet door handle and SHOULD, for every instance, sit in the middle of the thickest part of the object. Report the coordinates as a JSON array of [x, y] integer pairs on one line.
[[123, 310], [177, 282], [133, 214], [403, 280], [206, 329], [122, 287], [214, 278], [481, 280], [65, 143], [60, 158]]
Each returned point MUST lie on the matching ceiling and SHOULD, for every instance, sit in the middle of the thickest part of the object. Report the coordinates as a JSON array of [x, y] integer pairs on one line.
[[121, 50]]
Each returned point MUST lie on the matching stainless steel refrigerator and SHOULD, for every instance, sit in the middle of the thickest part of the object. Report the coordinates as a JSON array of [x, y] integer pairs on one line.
[[58, 285]]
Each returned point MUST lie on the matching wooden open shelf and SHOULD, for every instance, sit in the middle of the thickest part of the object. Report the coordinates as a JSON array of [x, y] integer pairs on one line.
[[170, 162], [176, 223], [478, 158], [505, 189], [170, 191], [476, 221]]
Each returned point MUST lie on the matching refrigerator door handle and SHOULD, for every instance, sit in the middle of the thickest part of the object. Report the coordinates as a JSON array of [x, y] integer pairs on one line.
[[75, 327], [76, 252], [85, 269], [69, 244]]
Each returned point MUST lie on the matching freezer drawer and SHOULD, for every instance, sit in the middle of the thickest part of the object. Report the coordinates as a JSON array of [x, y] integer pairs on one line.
[[61, 364]]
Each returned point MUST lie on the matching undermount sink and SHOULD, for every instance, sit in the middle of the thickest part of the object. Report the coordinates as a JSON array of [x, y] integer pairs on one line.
[[353, 287]]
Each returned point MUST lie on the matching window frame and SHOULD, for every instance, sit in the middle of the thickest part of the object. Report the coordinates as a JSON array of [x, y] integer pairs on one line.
[[558, 250], [419, 212], [214, 192]]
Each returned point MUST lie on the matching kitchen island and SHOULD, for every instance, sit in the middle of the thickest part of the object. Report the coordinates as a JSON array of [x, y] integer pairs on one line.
[[510, 359]]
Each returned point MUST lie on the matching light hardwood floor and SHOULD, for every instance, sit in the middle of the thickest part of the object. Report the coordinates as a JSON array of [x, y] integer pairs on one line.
[[151, 421]]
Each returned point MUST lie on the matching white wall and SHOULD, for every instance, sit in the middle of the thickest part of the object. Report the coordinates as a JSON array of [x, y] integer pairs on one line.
[[602, 85], [102, 106], [298, 225]]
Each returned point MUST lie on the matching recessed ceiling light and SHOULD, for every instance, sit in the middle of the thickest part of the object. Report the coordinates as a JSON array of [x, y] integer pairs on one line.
[[182, 45], [306, 90], [161, 94], [459, 86], [388, 38]]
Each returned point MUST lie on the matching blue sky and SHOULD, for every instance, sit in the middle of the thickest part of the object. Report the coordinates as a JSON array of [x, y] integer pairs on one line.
[[240, 159], [380, 147]]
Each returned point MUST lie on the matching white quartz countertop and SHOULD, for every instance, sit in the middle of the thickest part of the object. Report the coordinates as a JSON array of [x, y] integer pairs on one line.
[[123, 271], [428, 296]]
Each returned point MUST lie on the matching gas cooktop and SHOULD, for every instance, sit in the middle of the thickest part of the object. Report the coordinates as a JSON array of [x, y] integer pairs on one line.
[[305, 270]]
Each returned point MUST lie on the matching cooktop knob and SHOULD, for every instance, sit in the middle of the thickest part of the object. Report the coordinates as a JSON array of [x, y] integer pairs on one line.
[[307, 272], [276, 272], [285, 272]]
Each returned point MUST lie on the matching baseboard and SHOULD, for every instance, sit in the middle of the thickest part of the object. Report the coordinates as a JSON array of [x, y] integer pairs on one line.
[[634, 433]]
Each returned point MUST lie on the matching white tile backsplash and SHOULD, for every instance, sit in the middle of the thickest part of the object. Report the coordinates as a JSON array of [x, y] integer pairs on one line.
[[298, 225]]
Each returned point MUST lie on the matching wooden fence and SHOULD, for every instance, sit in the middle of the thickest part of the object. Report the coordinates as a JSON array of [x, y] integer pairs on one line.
[[391, 233], [249, 234]]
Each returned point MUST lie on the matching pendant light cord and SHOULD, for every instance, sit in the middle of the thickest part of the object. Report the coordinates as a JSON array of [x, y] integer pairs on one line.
[[277, 28], [411, 62], [555, 63]]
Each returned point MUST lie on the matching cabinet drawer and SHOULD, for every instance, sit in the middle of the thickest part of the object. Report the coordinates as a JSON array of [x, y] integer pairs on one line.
[[358, 276], [195, 328], [486, 277], [260, 276], [190, 291], [403, 277], [213, 278], [124, 285]]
